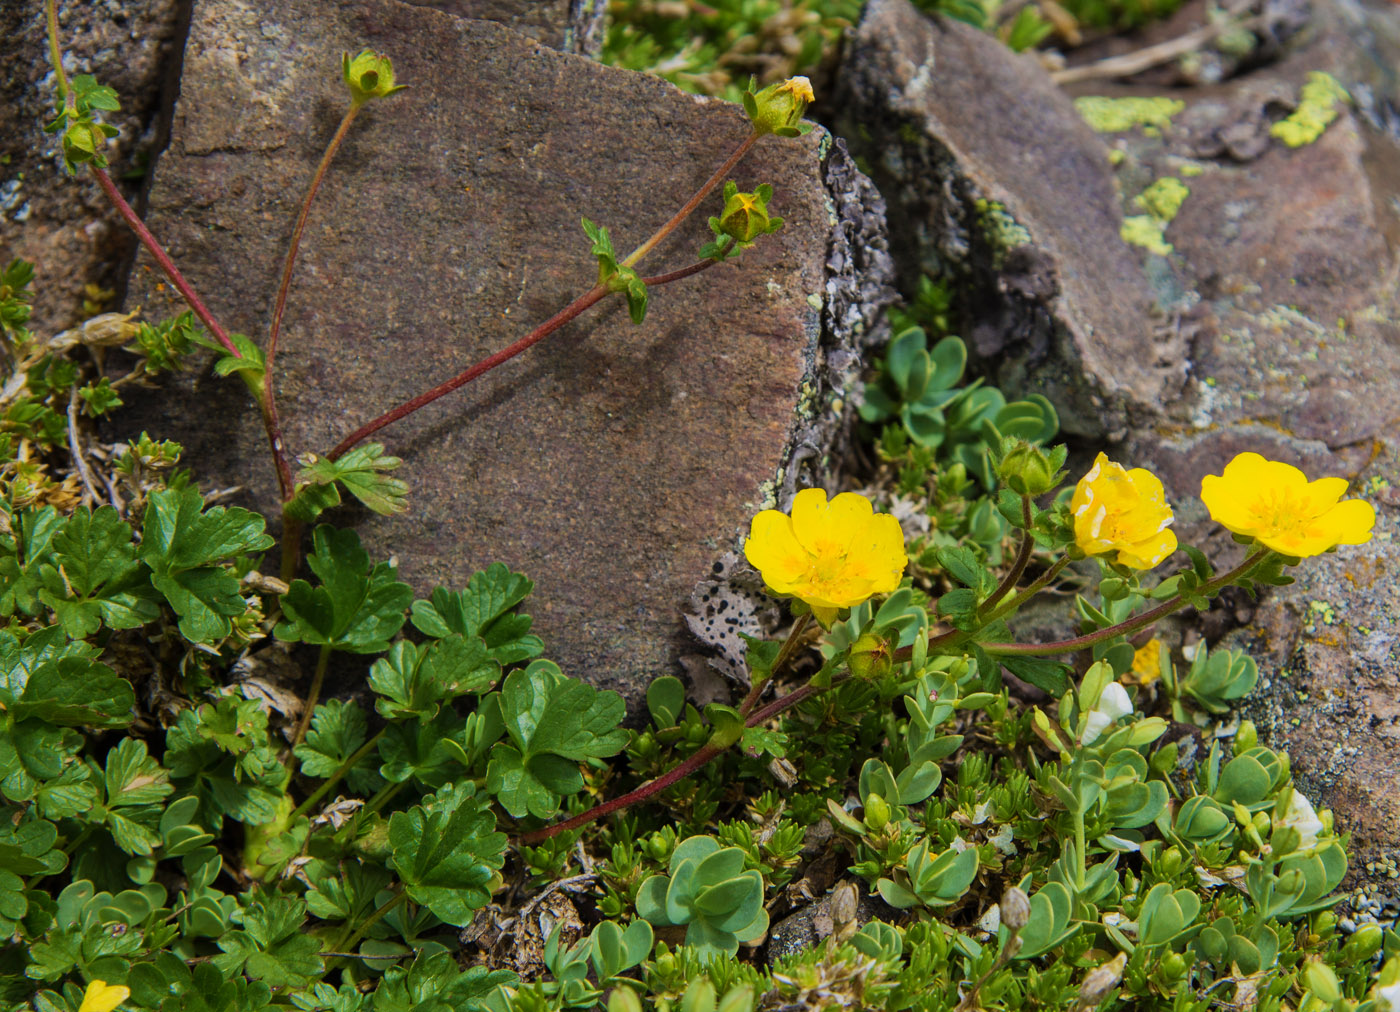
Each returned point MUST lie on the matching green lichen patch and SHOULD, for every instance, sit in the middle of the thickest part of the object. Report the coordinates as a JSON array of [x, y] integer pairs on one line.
[[1163, 199], [1118, 115], [1317, 108], [1003, 232], [1147, 231]]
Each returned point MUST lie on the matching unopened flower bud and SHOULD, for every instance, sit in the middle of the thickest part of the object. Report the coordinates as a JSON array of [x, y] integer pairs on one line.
[[877, 812], [1026, 469], [1246, 737], [778, 108], [745, 216], [1015, 909], [624, 999], [369, 75], [870, 657], [1174, 966], [1171, 861], [1101, 980]]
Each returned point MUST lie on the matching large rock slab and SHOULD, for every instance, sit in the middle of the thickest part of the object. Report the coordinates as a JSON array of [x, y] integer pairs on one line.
[[994, 181], [64, 225], [612, 463], [1282, 275], [573, 26]]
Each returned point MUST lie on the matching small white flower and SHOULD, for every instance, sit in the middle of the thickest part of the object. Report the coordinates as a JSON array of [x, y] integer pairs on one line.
[[1387, 998], [1113, 703], [1302, 817]]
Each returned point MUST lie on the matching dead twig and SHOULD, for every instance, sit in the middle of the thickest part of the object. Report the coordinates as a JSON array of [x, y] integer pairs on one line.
[[1135, 62], [75, 447]]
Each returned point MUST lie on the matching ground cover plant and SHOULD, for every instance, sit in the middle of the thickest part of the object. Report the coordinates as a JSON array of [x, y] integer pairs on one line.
[[478, 830]]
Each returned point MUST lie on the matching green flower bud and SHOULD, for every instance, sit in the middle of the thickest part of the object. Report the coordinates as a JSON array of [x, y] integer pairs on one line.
[[375, 843], [1174, 966], [1027, 469], [1322, 981], [658, 848], [1324, 923], [877, 812], [1246, 737], [870, 657], [778, 108], [745, 215], [1171, 861], [624, 999], [369, 75]]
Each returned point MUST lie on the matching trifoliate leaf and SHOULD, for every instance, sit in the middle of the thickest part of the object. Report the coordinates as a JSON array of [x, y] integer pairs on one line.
[[414, 680], [344, 891], [428, 751], [222, 755], [361, 471], [555, 722], [338, 729], [758, 741], [73, 792], [485, 609], [75, 692], [23, 550], [446, 851], [434, 982], [134, 778], [356, 608], [184, 546]]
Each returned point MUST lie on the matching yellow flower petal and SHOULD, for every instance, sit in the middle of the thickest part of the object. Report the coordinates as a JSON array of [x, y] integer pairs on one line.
[[1275, 504], [1124, 511], [772, 549], [831, 555], [103, 997]]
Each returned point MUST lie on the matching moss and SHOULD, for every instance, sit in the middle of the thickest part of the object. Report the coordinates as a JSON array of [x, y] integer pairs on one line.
[[1147, 231], [1116, 115], [1317, 108], [1163, 199], [1002, 231]]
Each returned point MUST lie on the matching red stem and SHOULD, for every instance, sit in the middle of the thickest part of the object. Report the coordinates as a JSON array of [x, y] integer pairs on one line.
[[556, 321], [684, 272], [1126, 628], [679, 772], [166, 264], [1018, 567]]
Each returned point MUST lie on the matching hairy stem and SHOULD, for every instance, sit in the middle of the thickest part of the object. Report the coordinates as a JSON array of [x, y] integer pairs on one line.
[[344, 944], [677, 275], [1023, 556], [785, 653], [311, 697], [690, 205], [280, 307], [569, 312], [1130, 626], [677, 773], [336, 777]]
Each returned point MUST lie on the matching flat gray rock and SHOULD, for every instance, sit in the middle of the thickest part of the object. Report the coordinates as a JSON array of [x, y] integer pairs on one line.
[[996, 182], [612, 463]]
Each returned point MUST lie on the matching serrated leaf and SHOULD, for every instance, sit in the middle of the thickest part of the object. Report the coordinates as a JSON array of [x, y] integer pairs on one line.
[[1043, 673], [356, 608], [446, 852], [272, 947], [338, 729], [415, 680], [484, 608], [75, 692], [134, 778], [184, 546], [428, 751], [361, 472], [962, 565], [550, 718], [95, 576], [22, 554], [758, 741]]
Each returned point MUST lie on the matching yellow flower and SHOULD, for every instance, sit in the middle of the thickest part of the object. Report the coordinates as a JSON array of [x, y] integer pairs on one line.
[[103, 997], [831, 555], [1276, 505], [1125, 511], [1147, 662]]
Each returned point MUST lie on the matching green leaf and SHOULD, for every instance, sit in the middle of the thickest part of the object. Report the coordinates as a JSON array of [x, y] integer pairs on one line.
[[272, 946], [184, 547], [95, 576], [22, 554], [356, 608], [446, 852], [345, 890], [429, 751], [486, 609], [555, 723], [962, 565], [338, 728], [361, 472], [76, 692], [132, 777], [1043, 673], [415, 680]]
